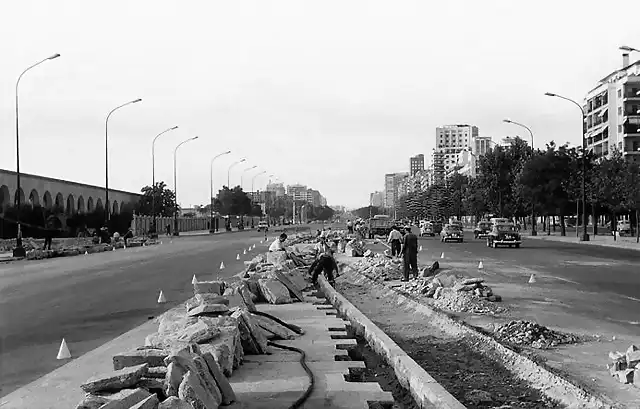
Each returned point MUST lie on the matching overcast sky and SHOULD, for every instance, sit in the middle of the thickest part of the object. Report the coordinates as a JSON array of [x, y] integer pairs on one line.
[[331, 94]]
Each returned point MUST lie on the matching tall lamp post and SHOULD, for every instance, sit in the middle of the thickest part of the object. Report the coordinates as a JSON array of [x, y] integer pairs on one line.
[[533, 213], [175, 184], [253, 192], [106, 158], [229, 171], [153, 176], [585, 220], [19, 251], [242, 175], [213, 229]]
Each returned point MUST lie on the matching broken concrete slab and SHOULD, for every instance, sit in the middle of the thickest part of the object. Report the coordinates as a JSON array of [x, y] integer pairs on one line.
[[293, 289], [247, 297], [116, 380], [209, 287], [173, 379], [206, 376], [274, 292], [275, 328], [208, 309], [174, 402], [228, 396], [151, 402], [248, 333], [152, 357], [192, 391], [158, 372], [151, 384], [276, 257], [198, 332], [122, 399]]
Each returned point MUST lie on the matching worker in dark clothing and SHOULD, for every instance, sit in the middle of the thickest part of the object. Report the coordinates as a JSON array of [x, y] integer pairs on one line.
[[410, 253], [326, 263], [50, 230]]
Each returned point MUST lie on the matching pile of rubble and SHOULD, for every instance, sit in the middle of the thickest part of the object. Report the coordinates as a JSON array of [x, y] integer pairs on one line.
[[380, 268], [185, 364], [527, 333], [626, 366]]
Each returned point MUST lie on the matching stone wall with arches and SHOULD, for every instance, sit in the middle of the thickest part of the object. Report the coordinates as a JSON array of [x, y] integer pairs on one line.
[[69, 197]]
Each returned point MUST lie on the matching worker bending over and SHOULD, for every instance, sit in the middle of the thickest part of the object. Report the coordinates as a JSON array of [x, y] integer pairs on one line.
[[278, 244]]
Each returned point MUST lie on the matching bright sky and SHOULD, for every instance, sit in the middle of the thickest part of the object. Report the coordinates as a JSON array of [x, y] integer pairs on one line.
[[331, 94]]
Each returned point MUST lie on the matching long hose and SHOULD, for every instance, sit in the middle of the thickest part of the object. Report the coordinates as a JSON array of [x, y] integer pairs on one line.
[[298, 403]]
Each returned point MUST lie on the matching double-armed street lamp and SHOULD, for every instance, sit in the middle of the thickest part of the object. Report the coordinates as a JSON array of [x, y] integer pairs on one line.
[[211, 183], [175, 183], [229, 171], [242, 175], [106, 158], [19, 251], [585, 220], [153, 175], [533, 213], [254, 179]]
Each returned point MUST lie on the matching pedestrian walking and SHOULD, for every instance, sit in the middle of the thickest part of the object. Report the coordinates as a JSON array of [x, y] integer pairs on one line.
[[395, 240], [410, 253], [49, 232]]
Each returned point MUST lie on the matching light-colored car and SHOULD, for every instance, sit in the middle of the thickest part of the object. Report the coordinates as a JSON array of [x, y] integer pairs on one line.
[[451, 232], [263, 226]]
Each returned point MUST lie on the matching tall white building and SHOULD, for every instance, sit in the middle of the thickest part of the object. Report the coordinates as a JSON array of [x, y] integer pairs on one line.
[[376, 199], [391, 183], [612, 112], [453, 139]]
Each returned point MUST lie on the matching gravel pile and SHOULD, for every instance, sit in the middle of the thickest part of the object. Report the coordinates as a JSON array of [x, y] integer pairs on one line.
[[527, 333], [380, 268], [455, 301]]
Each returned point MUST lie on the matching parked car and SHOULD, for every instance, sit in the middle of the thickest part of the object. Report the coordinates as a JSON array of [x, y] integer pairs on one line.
[[426, 229], [504, 235], [437, 226], [624, 228], [263, 226], [451, 232], [482, 230]]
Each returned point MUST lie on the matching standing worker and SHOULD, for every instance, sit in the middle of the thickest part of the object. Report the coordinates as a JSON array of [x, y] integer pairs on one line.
[[350, 226], [410, 253], [395, 240]]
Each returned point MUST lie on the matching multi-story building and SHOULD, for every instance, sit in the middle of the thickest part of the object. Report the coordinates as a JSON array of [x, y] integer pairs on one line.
[[452, 139], [314, 197], [437, 174], [416, 164], [376, 199], [391, 183], [612, 111], [297, 192], [277, 188], [482, 146]]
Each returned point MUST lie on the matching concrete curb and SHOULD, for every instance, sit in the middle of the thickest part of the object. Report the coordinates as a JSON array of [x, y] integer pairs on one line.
[[551, 385], [425, 390], [588, 243]]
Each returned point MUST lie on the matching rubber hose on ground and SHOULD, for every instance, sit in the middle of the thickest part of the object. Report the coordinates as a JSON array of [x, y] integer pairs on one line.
[[298, 403], [292, 327]]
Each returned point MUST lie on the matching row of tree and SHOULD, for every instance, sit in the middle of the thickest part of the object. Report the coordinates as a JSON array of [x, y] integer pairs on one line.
[[516, 181]]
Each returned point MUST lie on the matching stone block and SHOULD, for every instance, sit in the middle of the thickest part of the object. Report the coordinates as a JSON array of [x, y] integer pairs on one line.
[[122, 399], [274, 291], [633, 359], [209, 287], [275, 328], [247, 297], [158, 372], [208, 309], [151, 402], [116, 380], [174, 320], [625, 376], [228, 396], [254, 288], [636, 377], [173, 379], [151, 384], [192, 391], [297, 278], [152, 357], [207, 377], [276, 257], [198, 332], [174, 402], [248, 338], [293, 289]]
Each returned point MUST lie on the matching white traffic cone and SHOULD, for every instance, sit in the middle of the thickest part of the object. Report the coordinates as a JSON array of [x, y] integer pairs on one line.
[[222, 265], [238, 256], [249, 249], [86, 253], [480, 266], [144, 244], [245, 251], [63, 352], [420, 248], [442, 255], [194, 279], [114, 248], [532, 279], [160, 242], [161, 298], [260, 241], [254, 246]]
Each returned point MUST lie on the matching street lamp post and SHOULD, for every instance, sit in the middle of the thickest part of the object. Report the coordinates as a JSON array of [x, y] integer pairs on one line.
[[153, 177], [175, 184], [229, 171], [106, 158], [533, 213], [213, 229], [254, 179], [242, 175], [19, 251], [585, 220]]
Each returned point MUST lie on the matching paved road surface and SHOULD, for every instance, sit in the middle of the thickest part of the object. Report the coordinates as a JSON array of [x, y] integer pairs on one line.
[[90, 300]]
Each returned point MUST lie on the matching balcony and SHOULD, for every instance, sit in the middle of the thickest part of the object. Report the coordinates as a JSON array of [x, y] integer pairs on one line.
[[630, 92]]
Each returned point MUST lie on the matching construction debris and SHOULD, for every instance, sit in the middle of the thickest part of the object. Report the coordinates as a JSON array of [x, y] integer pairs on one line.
[[625, 367], [527, 333]]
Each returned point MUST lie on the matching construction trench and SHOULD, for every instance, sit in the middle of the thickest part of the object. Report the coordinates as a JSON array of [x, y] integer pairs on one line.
[[272, 340]]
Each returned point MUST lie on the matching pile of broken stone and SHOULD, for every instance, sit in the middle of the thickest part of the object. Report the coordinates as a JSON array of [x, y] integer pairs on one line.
[[529, 333], [199, 344], [380, 268], [626, 366]]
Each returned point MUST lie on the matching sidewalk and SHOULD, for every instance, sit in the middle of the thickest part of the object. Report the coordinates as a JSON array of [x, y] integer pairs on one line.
[[604, 241]]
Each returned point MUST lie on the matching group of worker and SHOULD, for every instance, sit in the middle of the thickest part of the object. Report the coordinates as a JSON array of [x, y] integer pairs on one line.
[[403, 242]]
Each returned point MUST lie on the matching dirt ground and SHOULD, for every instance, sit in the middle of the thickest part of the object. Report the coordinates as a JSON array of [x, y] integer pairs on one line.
[[477, 382]]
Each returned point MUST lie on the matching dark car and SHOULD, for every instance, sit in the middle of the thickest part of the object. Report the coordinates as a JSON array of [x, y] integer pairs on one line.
[[451, 232], [437, 226], [504, 235], [482, 230]]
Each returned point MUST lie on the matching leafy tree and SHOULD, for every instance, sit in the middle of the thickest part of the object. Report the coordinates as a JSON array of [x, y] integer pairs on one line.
[[233, 202], [364, 212], [165, 200]]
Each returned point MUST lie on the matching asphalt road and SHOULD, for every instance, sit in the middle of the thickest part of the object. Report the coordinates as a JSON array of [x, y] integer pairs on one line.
[[583, 276], [89, 300]]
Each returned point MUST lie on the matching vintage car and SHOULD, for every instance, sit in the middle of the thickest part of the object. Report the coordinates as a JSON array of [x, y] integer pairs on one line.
[[263, 225], [504, 235], [482, 230], [427, 229], [451, 232]]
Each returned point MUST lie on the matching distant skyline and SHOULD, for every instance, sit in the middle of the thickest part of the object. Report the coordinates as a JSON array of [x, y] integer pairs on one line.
[[330, 94]]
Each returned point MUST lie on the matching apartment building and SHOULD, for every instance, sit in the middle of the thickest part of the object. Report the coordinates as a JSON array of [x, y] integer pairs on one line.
[[297, 192], [612, 111], [508, 141], [278, 189], [453, 139], [376, 199], [483, 145], [437, 174], [416, 164], [391, 183]]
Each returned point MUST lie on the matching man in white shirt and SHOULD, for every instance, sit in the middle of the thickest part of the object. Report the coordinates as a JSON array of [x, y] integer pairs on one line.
[[278, 244], [395, 240]]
